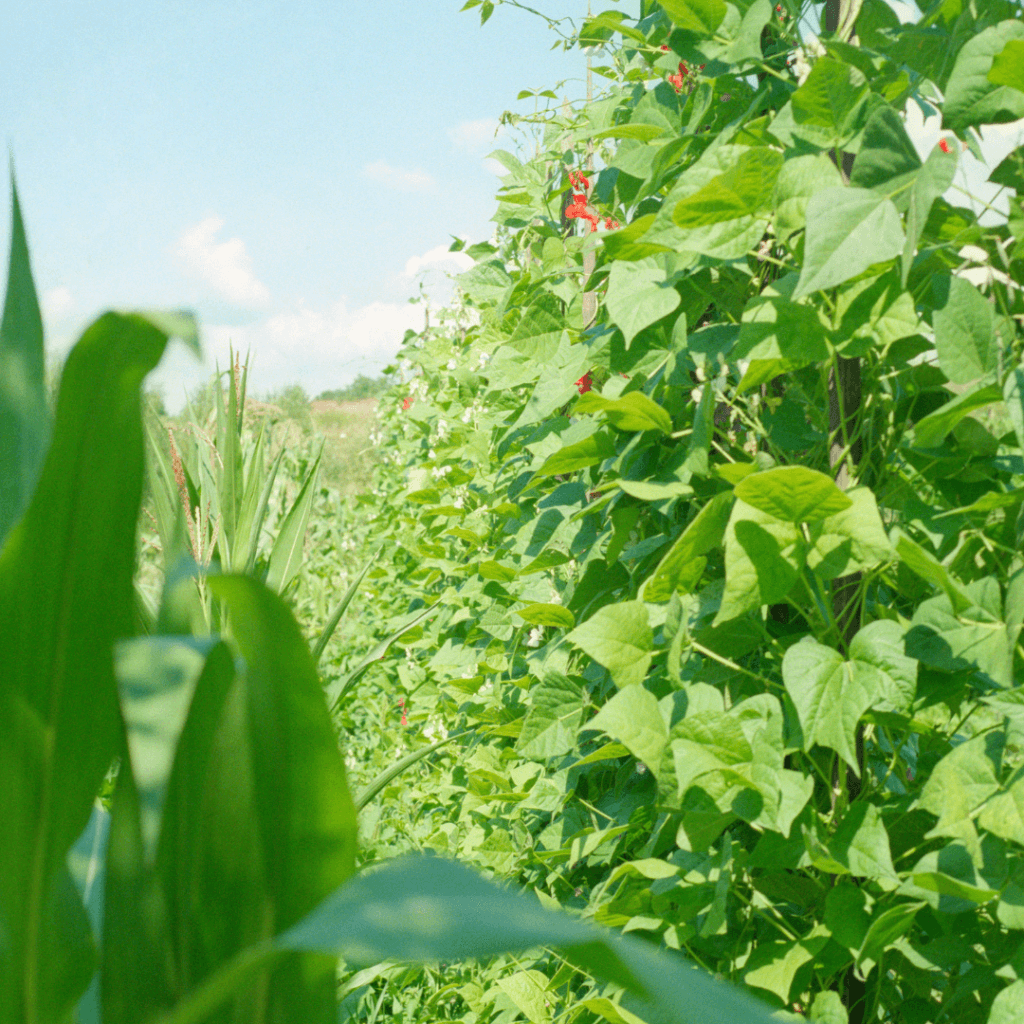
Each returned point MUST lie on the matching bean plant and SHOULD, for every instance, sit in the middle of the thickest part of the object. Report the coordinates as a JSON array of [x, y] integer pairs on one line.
[[713, 478]]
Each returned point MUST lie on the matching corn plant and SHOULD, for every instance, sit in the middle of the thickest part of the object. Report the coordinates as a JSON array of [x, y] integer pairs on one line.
[[213, 486]]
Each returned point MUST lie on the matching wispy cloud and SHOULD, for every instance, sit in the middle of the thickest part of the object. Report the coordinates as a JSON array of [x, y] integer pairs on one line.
[[395, 177], [438, 258], [225, 266], [474, 137]]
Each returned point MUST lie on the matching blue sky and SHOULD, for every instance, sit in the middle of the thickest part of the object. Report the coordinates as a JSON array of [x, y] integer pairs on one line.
[[289, 171], [284, 169]]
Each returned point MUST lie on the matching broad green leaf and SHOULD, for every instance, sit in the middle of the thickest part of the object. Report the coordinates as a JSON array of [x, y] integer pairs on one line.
[[681, 567], [547, 615], [874, 312], [701, 17], [965, 338], [287, 553], [619, 637], [773, 965], [640, 292], [831, 97], [24, 417], [830, 696], [723, 240], [1008, 1005], [976, 637], [529, 991], [633, 411], [540, 328], [880, 644], [763, 558], [885, 929], [588, 452], [861, 845], [778, 335], [486, 282], [851, 540], [1003, 813], [887, 161], [972, 98], [652, 490], [744, 190], [632, 717], [959, 784], [794, 494], [828, 1008], [800, 177], [66, 594], [553, 718], [848, 230], [609, 1011], [932, 430], [638, 131], [628, 243]]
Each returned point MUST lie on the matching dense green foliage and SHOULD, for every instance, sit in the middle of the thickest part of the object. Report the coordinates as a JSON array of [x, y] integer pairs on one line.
[[715, 697], [687, 595]]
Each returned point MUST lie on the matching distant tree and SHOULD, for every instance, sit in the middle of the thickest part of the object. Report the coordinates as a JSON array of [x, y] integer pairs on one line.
[[361, 387]]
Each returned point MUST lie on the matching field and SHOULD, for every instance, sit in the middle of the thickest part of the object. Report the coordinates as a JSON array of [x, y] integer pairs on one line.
[[649, 650]]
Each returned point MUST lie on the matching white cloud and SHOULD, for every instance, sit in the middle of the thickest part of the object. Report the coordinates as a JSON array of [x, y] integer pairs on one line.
[[58, 304], [474, 137], [394, 177], [224, 266], [317, 348], [438, 258]]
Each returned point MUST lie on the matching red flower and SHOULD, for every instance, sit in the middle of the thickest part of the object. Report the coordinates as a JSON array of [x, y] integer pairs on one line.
[[578, 179], [585, 384], [578, 208], [703, 66], [611, 223], [676, 81], [664, 46], [944, 146], [407, 401], [401, 704]]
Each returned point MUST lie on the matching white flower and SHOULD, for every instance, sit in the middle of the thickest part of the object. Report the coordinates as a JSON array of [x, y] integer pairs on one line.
[[802, 57], [406, 364], [431, 454], [451, 364], [458, 503], [434, 730], [467, 415], [350, 762], [486, 689], [536, 635], [485, 358]]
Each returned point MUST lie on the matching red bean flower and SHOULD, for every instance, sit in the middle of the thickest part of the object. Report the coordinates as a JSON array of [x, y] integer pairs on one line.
[[401, 704], [407, 401], [578, 179], [578, 208], [611, 223], [944, 146], [585, 384]]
